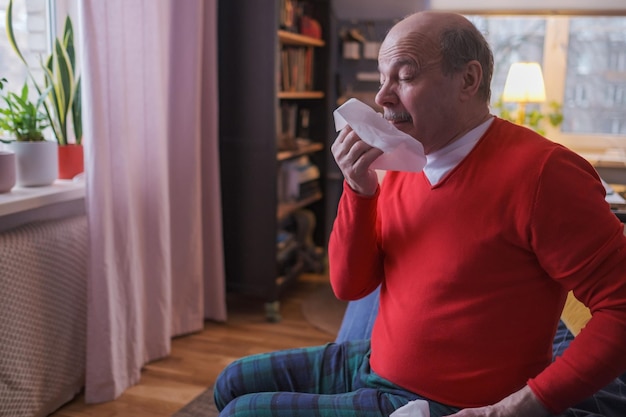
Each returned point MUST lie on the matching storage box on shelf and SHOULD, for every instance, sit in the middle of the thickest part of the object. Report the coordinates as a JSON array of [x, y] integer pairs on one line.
[[273, 133]]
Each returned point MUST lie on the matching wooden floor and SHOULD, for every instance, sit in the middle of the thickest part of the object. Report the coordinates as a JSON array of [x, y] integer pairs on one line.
[[196, 360]]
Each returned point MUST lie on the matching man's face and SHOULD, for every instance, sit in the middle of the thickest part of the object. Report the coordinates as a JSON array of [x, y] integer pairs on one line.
[[415, 95]]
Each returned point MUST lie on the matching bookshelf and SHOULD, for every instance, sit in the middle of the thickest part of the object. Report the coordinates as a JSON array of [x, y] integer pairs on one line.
[[274, 121], [300, 95], [285, 209], [303, 150], [291, 38]]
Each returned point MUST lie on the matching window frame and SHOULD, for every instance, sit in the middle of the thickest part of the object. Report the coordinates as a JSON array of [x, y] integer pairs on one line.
[[606, 147], [57, 10], [28, 204]]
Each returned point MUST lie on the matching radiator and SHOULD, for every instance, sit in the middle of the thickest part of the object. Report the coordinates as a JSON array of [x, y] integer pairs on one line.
[[43, 309]]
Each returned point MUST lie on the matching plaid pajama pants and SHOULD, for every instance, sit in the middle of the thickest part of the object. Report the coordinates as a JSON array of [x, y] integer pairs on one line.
[[334, 380]]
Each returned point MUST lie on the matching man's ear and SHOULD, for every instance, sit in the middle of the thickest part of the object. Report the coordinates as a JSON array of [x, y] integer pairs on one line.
[[472, 77]]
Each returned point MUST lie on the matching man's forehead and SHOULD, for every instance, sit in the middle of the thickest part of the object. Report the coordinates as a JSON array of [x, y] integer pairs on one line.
[[415, 44], [396, 62]]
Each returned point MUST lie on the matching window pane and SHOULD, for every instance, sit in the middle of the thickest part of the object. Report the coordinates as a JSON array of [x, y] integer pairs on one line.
[[595, 86], [30, 25], [512, 39]]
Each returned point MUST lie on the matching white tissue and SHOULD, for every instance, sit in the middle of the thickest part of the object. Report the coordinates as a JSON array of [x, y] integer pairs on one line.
[[402, 152], [417, 408]]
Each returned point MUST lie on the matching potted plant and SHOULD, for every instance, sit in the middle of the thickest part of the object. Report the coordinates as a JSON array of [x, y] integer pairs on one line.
[[8, 171], [64, 95], [7, 163], [36, 158], [535, 119]]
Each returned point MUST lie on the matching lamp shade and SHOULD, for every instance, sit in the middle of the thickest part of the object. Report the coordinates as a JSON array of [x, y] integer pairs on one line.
[[524, 83]]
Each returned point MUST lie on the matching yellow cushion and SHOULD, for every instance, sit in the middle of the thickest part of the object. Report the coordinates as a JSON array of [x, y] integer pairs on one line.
[[575, 314]]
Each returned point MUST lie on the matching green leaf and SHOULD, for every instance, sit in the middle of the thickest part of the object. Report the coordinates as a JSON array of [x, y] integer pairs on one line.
[[62, 90], [55, 123], [77, 119], [15, 47], [11, 33], [68, 42], [21, 117]]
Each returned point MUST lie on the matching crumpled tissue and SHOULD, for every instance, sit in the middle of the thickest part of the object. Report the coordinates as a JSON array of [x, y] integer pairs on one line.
[[402, 152], [417, 408]]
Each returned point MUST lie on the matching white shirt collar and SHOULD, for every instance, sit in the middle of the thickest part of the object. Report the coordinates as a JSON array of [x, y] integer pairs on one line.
[[442, 161]]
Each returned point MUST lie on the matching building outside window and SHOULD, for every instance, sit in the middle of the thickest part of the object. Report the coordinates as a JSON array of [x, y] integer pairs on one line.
[[31, 25], [595, 81], [584, 65]]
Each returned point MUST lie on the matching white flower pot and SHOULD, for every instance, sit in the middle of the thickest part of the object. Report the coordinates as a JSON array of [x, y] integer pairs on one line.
[[37, 163], [7, 171]]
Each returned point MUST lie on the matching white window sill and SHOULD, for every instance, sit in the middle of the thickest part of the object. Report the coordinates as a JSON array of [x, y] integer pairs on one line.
[[606, 159], [27, 204]]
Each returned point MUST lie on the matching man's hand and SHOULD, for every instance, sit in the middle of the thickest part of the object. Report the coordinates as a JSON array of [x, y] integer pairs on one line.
[[522, 403], [354, 158]]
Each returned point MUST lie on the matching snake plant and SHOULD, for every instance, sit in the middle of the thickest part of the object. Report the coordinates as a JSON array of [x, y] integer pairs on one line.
[[60, 83]]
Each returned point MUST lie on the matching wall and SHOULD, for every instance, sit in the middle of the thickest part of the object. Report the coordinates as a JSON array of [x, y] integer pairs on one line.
[[393, 9], [533, 6], [357, 70], [377, 9]]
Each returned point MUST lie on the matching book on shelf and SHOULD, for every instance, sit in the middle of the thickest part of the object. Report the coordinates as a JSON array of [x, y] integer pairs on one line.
[[297, 16], [304, 120], [287, 120], [310, 27], [297, 179], [296, 68], [287, 15], [292, 126]]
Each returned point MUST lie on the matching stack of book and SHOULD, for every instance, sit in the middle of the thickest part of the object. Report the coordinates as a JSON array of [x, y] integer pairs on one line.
[[298, 179], [296, 65]]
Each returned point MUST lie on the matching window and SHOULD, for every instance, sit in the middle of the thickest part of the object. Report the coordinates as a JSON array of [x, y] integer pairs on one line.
[[595, 81], [35, 23], [30, 24], [584, 65], [512, 39]]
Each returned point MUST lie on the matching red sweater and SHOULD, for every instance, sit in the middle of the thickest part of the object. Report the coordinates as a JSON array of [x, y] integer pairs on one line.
[[475, 270]]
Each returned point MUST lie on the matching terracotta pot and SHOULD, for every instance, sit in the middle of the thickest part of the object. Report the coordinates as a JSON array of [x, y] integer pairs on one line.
[[71, 161], [37, 163], [8, 171]]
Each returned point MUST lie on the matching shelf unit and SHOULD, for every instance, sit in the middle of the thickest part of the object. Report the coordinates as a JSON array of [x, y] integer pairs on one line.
[[304, 150], [284, 209], [291, 38], [251, 96], [300, 95]]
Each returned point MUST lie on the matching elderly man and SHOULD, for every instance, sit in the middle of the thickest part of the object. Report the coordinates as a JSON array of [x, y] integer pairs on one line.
[[474, 257]]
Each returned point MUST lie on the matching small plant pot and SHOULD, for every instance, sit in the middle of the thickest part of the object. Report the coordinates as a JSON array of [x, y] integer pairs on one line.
[[7, 171], [37, 163], [70, 161]]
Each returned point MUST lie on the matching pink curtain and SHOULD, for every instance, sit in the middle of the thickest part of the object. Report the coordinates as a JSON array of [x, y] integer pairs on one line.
[[152, 178]]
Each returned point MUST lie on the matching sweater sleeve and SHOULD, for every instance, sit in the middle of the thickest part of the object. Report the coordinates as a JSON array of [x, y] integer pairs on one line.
[[355, 260], [582, 245]]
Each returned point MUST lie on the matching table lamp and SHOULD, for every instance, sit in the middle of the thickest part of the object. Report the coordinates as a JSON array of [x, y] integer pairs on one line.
[[524, 84]]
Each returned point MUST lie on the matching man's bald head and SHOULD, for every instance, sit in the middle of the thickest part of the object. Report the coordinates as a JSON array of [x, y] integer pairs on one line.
[[448, 37]]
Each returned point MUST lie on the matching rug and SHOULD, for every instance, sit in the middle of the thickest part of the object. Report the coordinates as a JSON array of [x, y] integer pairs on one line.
[[201, 406], [323, 310]]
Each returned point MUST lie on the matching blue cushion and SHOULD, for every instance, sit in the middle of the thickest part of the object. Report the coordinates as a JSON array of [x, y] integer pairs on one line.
[[358, 319]]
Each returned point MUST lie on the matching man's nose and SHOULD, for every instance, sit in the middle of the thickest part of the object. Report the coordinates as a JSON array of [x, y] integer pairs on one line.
[[385, 97]]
